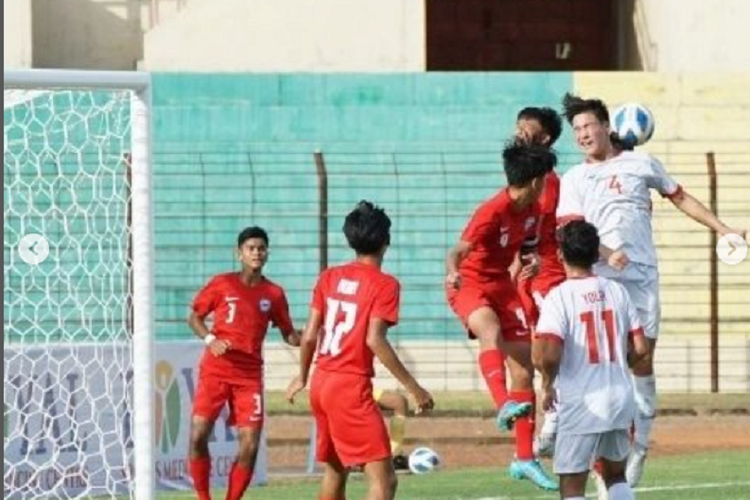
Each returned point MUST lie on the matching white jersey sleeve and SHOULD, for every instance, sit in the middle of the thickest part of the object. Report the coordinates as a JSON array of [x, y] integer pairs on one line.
[[659, 180], [570, 205], [553, 321]]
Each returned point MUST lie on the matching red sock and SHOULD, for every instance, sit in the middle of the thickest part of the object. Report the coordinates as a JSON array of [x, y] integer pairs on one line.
[[525, 426], [200, 471], [239, 480], [599, 467], [492, 364]]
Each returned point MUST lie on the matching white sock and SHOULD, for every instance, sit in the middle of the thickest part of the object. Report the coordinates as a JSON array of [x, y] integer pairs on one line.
[[575, 498], [549, 426], [621, 491], [645, 399]]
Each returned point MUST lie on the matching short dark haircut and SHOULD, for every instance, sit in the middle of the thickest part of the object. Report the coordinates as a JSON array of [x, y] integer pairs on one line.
[[579, 241], [619, 143], [367, 228], [574, 106], [252, 232], [525, 162], [548, 118]]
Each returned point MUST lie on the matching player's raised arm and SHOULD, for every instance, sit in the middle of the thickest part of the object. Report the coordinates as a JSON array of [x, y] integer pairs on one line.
[[693, 208], [662, 182]]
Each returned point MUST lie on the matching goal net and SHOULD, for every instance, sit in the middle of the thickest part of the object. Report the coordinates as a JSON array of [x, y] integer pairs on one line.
[[77, 286]]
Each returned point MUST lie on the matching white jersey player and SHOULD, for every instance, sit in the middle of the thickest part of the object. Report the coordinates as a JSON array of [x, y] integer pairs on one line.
[[581, 349], [611, 189]]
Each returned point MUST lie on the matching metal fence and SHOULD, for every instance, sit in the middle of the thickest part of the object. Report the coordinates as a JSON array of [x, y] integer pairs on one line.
[[204, 198]]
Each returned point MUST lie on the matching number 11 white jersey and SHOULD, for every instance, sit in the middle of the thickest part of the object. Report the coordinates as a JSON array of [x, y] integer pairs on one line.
[[593, 318]]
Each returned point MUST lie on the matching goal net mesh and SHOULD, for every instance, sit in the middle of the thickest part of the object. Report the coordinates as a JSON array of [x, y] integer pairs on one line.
[[67, 358]]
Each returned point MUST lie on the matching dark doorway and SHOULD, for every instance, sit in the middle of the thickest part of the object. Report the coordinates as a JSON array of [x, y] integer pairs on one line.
[[517, 35]]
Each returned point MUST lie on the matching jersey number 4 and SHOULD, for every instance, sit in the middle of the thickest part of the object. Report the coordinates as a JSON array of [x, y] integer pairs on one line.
[[592, 336], [336, 325]]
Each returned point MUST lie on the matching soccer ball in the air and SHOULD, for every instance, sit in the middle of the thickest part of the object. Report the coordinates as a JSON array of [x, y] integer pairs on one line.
[[633, 123], [423, 460]]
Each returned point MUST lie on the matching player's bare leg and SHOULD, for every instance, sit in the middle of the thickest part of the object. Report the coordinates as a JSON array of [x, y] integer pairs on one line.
[[382, 480], [333, 485], [645, 398], [244, 465], [200, 459], [613, 474], [525, 465], [573, 486], [399, 405]]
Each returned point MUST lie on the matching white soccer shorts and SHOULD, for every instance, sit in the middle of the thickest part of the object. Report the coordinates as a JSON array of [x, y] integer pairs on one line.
[[642, 283], [576, 453]]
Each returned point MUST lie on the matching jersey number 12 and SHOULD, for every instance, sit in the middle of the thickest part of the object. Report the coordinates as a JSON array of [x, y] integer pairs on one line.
[[335, 327]]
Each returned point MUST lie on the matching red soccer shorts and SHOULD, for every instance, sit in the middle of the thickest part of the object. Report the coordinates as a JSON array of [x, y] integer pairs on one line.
[[501, 297], [350, 426], [244, 397], [532, 294]]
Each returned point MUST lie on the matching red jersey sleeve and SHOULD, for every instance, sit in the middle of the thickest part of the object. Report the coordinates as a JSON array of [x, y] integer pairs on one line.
[[481, 224], [280, 313], [387, 301], [206, 300], [318, 297]]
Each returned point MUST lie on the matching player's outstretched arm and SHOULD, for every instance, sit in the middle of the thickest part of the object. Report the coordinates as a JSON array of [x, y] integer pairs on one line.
[[378, 343], [308, 343], [697, 211]]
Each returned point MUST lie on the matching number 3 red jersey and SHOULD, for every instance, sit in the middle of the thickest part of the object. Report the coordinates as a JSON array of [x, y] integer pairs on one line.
[[242, 315], [348, 297]]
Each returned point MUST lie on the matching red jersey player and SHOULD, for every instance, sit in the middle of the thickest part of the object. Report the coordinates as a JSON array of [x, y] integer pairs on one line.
[[481, 293], [231, 370], [353, 305], [542, 126]]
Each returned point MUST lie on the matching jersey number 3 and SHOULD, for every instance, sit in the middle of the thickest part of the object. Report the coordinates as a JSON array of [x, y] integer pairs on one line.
[[592, 336], [337, 325]]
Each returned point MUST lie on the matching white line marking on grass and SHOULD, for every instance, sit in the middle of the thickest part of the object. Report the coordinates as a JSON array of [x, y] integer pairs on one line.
[[699, 486], [647, 489]]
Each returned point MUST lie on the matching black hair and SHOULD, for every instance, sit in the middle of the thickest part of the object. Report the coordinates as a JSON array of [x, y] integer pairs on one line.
[[574, 106], [367, 228], [579, 242], [619, 143], [252, 232], [548, 118], [525, 162]]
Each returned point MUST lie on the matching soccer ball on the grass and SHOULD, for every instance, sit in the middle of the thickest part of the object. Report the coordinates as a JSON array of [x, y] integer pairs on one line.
[[633, 123], [423, 460]]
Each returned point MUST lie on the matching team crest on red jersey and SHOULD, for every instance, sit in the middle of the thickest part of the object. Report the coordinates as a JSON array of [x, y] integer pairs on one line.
[[529, 223], [265, 305]]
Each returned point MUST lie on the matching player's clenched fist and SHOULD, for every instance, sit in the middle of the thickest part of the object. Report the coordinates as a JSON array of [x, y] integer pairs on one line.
[[453, 280], [618, 259], [422, 398], [218, 347]]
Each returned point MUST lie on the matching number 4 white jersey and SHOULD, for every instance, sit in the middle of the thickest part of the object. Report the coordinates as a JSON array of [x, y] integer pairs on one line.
[[593, 318], [615, 197]]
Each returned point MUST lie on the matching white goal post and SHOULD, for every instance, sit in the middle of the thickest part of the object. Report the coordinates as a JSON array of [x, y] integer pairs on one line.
[[69, 138]]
